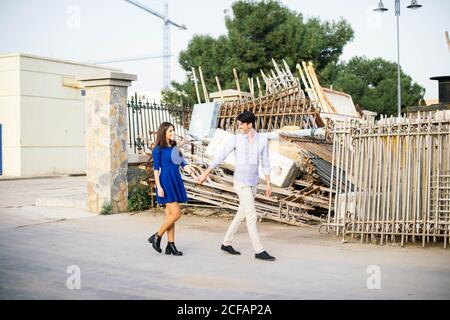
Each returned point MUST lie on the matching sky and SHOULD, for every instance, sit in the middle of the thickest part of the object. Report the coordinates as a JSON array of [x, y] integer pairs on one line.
[[99, 30]]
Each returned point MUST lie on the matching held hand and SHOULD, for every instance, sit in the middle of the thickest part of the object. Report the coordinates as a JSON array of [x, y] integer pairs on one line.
[[189, 170], [268, 190], [160, 192], [184, 141], [201, 178]]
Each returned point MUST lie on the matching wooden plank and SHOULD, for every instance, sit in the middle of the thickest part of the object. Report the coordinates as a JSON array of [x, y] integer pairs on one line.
[[220, 89], [238, 87], [205, 90], [196, 85], [319, 87]]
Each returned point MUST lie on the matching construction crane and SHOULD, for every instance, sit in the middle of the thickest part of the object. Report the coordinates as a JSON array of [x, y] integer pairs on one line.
[[166, 36], [166, 43]]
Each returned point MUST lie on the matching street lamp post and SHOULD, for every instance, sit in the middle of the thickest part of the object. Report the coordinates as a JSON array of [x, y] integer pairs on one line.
[[414, 5]]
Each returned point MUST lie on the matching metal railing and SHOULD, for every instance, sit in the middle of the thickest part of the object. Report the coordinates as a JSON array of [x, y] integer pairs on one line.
[[391, 180], [288, 107], [144, 119]]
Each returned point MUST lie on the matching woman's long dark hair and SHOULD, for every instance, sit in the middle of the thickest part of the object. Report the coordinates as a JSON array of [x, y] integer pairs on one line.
[[161, 135]]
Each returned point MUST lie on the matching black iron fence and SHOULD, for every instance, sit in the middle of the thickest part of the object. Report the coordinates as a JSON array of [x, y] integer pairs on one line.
[[144, 119]]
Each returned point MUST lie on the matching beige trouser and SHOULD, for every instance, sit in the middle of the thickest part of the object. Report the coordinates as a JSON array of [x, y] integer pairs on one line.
[[245, 211]]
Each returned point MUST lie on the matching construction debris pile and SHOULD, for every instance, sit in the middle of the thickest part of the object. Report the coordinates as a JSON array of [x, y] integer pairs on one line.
[[300, 146], [385, 180], [302, 199]]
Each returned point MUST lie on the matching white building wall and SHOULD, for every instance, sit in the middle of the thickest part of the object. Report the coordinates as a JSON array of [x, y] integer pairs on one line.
[[10, 114], [43, 120]]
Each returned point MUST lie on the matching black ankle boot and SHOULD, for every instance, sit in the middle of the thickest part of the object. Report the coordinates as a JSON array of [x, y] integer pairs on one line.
[[171, 249], [155, 240]]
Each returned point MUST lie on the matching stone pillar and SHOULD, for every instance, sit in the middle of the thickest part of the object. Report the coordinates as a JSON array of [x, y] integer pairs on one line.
[[106, 139]]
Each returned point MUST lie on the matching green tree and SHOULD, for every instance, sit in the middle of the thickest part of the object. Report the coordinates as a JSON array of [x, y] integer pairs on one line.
[[257, 32], [372, 83]]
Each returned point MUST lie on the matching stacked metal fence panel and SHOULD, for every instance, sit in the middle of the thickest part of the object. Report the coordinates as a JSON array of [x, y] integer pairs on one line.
[[390, 180], [287, 107]]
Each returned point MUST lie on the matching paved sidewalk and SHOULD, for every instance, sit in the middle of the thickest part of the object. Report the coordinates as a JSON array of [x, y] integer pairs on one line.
[[38, 244]]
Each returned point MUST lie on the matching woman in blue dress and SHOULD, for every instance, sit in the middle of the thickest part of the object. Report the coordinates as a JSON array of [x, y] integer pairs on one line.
[[170, 190]]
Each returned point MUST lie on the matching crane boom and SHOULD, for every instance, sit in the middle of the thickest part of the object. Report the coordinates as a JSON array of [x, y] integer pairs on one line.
[[135, 58], [155, 13]]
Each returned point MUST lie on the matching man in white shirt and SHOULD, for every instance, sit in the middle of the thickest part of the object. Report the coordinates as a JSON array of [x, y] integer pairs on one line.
[[249, 146]]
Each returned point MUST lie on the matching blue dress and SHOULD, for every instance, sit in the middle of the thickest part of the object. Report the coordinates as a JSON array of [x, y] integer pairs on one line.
[[168, 161]]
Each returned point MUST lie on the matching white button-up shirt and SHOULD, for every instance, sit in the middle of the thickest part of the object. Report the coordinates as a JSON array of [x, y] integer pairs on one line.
[[248, 156]]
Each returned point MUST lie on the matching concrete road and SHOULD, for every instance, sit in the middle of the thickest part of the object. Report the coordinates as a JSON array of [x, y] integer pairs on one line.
[[115, 261]]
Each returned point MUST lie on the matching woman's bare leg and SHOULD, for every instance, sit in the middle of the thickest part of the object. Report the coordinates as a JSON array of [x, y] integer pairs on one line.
[[171, 233], [171, 230], [160, 232], [173, 213]]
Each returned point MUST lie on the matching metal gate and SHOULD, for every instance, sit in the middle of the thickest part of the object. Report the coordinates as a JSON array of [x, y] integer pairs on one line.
[[144, 119], [391, 179]]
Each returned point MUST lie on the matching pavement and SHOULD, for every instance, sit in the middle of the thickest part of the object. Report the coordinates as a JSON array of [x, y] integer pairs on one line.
[[49, 252]]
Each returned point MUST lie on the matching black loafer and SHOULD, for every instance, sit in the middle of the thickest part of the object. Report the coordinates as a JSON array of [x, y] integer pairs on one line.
[[264, 256], [230, 250]]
